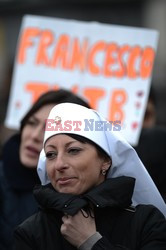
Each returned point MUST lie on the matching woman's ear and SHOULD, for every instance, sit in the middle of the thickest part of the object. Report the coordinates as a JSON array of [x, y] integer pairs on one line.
[[106, 163]]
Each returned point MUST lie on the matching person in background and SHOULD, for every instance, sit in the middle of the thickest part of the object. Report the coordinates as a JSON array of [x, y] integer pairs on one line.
[[95, 193], [150, 113], [152, 145], [152, 151], [20, 155]]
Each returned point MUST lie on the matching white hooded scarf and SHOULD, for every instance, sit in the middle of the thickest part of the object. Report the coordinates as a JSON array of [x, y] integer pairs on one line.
[[72, 118]]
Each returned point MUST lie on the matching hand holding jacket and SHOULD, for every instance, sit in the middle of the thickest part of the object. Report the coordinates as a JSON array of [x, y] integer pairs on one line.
[[78, 228]]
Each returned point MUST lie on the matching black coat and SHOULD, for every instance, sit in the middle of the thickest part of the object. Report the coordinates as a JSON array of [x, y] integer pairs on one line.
[[121, 226], [16, 192]]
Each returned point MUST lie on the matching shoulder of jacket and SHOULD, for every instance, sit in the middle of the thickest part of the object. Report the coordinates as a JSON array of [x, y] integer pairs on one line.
[[146, 212], [30, 224]]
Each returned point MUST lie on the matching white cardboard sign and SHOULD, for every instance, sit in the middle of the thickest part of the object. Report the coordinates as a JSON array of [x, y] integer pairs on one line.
[[108, 65]]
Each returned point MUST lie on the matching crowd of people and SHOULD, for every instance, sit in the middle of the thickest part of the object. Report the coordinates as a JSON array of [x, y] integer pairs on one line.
[[78, 189]]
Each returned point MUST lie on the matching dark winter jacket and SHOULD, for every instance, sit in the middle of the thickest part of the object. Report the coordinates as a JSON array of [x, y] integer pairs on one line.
[[16, 191], [121, 226]]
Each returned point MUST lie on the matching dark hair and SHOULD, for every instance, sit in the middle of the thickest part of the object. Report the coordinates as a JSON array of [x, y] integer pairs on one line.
[[53, 97], [101, 153]]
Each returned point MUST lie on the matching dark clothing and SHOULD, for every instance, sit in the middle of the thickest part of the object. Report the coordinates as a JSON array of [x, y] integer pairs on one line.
[[16, 191], [121, 226], [152, 151]]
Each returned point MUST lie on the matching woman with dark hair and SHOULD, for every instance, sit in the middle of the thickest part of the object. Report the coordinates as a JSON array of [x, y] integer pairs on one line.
[[20, 154], [95, 193]]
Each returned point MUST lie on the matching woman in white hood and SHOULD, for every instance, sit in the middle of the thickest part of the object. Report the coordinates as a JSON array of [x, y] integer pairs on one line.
[[95, 193]]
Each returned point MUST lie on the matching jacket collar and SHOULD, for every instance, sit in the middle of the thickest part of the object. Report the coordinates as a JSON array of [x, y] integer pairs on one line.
[[113, 192]]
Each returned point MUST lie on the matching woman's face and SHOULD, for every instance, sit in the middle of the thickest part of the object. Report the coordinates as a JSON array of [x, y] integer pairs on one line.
[[72, 166], [32, 137]]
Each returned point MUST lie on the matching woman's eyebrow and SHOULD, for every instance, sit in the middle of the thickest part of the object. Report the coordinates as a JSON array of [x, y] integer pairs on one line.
[[34, 118], [50, 146], [66, 145]]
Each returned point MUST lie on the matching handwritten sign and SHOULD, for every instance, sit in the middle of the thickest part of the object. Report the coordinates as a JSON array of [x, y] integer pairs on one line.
[[110, 66]]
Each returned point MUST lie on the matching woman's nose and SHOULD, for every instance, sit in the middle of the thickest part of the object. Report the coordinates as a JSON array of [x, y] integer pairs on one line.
[[60, 163], [38, 134]]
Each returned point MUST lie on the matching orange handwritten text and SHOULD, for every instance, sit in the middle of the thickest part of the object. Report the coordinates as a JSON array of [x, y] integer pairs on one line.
[[71, 53], [117, 97]]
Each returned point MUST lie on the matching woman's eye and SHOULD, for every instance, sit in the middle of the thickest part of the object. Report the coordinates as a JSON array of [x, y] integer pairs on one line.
[[32, 123], [74, 150], [50, 155]]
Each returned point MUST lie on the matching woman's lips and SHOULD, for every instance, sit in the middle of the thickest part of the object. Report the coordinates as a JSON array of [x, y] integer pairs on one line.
[[32, 151], [65, 180]]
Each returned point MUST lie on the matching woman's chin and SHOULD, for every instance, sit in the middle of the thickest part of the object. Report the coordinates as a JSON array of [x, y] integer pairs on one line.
[[29, 163]]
